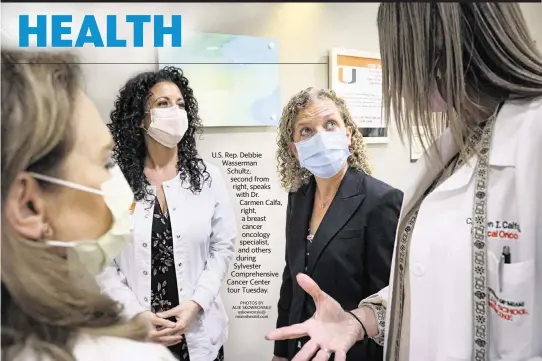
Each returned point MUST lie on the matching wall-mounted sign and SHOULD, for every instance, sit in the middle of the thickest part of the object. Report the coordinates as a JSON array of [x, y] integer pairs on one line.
[[356, 76]]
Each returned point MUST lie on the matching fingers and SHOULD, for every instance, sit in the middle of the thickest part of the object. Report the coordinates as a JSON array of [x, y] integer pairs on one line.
[[170, 313], [307, 351], [288, 333], [169, 340], [309, 286], [170, 344], [340, 356], [322, 355], [179, 329], [157, 321], [154, 334]]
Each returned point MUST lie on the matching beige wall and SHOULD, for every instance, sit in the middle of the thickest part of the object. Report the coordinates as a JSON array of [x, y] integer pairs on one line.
[[305, 32]]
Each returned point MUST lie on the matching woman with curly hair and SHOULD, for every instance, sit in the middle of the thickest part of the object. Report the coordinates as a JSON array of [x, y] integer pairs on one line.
[[340, 221], [183, 225]]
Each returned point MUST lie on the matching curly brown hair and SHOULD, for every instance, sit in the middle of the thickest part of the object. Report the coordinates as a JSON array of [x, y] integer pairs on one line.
[[291, 175]]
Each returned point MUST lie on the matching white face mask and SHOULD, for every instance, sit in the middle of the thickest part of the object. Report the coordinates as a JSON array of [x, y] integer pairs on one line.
[[97, 254], [168, 125]]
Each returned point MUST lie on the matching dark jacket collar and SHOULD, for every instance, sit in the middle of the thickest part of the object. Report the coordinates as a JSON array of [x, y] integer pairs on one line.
[[351, 184]]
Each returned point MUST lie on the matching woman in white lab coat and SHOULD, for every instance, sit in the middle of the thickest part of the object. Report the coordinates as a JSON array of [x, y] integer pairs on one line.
[[466, 280], [183, 225], [64, 217]]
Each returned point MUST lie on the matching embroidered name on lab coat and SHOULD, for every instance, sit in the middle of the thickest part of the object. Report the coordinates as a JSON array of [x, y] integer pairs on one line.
[[501, 229]]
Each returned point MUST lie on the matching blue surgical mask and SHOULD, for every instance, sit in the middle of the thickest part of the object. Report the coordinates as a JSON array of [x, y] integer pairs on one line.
[[324, 154]]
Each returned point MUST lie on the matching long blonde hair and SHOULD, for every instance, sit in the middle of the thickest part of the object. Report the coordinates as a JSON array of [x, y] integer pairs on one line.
[[46, 310], [485, 52], [291, 175]]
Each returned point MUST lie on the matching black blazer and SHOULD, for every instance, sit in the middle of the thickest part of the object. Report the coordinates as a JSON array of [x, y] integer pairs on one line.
[[350, 256]]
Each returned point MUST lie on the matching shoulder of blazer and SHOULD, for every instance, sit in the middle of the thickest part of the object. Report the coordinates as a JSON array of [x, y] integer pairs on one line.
[[302, 190], [299, 195], [292, 196], [377, 189]]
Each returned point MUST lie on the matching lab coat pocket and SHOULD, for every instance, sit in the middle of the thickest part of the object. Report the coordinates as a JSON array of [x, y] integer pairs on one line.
[[511, 297]]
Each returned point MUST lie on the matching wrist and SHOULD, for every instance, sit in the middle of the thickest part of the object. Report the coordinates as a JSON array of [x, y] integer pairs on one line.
[[366, 320], [196, 306], [356, 324], [368, 317]]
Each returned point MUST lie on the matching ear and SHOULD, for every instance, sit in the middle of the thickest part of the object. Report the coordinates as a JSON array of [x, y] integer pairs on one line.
[[349, 135], [25, 207], [146, 121], [293, 149], [144, 124]]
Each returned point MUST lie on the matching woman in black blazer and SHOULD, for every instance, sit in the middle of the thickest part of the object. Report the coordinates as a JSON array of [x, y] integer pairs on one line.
[[340, 222]]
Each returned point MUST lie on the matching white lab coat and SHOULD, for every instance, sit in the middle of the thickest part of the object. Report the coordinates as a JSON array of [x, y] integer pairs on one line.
[[90, 348], [440, 250], [204, 230]]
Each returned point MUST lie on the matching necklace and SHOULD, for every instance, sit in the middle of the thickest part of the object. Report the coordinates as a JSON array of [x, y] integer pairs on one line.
[[325, 203]]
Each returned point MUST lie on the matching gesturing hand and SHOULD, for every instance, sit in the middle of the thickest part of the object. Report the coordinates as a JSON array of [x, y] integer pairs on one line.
[[185, 314], [331, 329]]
